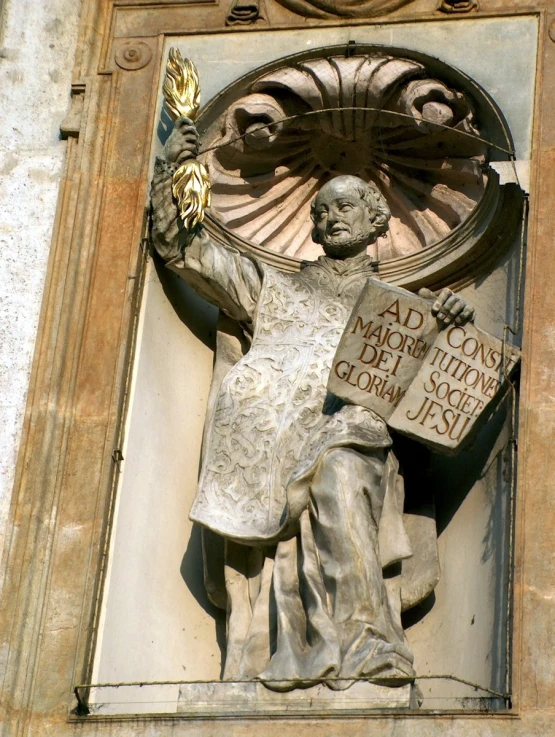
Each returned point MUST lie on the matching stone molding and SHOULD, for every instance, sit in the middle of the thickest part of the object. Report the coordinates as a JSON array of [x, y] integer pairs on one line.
[[62, 497]]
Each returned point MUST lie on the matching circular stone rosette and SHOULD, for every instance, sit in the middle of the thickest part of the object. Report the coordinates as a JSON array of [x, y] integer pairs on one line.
[[423, 132]]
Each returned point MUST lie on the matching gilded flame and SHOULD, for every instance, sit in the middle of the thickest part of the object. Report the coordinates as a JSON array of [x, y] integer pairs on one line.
[[191, 183], [181, 86], [191, 189]]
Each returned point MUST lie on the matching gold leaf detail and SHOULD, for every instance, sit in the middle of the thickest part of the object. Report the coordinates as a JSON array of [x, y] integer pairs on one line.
[[191, 184], [191, 188], [181, 86]]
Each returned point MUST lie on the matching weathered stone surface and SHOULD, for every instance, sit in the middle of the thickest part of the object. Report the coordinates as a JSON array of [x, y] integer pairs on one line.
[[246, 698], [466, 647], [458, 6], [389, 334], [42, 710], [171, 344], [459, 378], [343, 8], [216, 699], [35, 74]]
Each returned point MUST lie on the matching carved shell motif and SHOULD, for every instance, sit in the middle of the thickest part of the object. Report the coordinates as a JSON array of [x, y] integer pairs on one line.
[[277, 146]]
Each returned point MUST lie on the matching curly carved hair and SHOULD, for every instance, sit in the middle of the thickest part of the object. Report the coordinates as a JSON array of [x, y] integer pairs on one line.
[[371, 196]]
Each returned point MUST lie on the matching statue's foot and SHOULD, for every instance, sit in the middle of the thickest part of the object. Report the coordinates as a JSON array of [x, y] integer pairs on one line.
[[376, 661], [393, 677]]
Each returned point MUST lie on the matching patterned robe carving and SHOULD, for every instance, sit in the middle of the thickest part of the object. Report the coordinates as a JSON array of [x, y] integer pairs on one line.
[[304, 490], [271, 416]]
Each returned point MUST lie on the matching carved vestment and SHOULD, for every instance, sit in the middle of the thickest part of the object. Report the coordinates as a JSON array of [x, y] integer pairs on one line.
[[277, 446], [272, 420], [304, 490]]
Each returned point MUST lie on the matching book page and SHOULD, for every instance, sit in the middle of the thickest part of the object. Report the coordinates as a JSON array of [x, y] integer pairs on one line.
[[458, 379], [389, 334]]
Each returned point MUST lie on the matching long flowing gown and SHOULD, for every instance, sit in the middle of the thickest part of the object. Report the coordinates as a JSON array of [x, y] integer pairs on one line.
[[304, 489]]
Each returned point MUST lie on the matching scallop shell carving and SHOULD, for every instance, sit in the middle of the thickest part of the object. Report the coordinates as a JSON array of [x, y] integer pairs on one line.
[[301, 125]]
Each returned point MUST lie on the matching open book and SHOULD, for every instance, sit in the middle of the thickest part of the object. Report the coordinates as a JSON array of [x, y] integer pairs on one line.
[[429, 383]]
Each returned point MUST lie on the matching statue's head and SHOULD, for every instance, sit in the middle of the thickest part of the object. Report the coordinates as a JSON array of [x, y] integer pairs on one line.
[[348, 214]]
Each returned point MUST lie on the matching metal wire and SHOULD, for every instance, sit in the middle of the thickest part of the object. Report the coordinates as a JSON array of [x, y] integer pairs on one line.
[[476, 686], [317, 681], [510, 152], [82, 704], [515, 330], [83, 708]]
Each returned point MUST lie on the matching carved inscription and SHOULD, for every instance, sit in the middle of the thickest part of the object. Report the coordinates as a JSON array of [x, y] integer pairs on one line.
[[458, 379], [427, 384], [389, 334]]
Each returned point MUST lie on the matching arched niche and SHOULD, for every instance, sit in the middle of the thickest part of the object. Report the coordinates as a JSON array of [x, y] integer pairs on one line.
[[428, 135]]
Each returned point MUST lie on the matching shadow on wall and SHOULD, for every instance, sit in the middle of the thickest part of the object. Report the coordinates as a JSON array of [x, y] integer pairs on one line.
[[430, 478], [193, 311], [192, 574], [446, 482]]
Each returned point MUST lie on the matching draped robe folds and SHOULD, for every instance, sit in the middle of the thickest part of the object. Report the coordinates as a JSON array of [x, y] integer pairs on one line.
[[304, 490]]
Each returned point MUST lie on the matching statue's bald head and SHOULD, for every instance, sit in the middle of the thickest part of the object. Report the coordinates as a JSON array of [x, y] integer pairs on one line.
[[348, 214]]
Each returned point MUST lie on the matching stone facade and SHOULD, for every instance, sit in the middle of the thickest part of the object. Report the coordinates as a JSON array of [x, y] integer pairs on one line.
[[61, 553], [38, 49]]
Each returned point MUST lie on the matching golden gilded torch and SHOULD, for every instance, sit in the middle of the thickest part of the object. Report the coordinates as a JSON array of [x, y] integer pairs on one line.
[[191, 183]]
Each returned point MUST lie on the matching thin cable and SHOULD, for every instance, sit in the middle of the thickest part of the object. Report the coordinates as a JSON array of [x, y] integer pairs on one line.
[[317, 681], [509, 152], [476, 686], [83, 708], [515, 330]]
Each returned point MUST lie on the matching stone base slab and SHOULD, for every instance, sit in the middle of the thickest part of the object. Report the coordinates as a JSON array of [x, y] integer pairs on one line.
[[251, 698]]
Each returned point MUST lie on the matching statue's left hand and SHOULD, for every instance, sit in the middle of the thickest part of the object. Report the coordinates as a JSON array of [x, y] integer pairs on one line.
[[448, 307]]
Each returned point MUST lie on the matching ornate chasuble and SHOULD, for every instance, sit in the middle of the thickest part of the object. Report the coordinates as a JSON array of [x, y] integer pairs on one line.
[[272, 419]]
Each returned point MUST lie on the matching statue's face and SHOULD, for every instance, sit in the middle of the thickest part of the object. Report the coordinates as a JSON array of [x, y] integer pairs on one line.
[[343, 221]]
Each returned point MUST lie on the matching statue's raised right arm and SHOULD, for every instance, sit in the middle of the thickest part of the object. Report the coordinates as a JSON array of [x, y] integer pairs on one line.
[[221, 275]]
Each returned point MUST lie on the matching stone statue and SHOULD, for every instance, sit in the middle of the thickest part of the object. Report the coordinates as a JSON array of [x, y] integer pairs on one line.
[[304, 489]]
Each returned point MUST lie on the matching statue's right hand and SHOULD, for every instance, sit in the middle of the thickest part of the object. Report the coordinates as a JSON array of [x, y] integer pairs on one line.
[[183, 142]]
